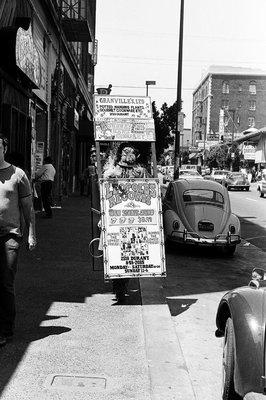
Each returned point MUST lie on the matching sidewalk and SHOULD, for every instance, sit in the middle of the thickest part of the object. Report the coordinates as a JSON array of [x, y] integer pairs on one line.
[[73, 341]]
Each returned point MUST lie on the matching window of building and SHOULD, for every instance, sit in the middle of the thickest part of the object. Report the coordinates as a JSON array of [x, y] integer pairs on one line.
[[252, 105], [252, 87], [240, 88], [251, 121], [239, 104], [225, 104], [225, 88], [226, 119]]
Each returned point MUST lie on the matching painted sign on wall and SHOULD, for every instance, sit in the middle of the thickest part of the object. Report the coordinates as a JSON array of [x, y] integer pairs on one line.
[[27, 57]]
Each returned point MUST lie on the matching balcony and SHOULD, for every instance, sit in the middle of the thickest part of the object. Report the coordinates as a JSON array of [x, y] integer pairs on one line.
[[75, 20]]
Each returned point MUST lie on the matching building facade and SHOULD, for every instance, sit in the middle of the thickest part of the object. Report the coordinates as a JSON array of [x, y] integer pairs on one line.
[[226, 102], [47, 84]]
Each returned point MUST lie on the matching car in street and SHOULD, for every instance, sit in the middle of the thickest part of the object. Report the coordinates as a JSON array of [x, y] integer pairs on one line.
[[217, 175], [241, 320], [237, 181], [198, 212], [262, 184], [189, 174]]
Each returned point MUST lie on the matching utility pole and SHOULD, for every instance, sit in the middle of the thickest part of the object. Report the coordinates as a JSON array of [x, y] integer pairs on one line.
[[58, 108], [179, 93], [233, 137]]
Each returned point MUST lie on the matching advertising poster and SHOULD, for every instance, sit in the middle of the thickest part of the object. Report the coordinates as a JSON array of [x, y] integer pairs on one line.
[[39, 153], [249, 151], [107, 106], [133, 242], [125, 129]]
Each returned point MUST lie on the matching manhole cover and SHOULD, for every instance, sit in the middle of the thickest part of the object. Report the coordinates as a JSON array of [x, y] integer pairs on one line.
[[76, 382]]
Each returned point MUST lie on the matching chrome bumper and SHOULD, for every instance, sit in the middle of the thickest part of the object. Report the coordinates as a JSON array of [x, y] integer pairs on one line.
[[194, 238]]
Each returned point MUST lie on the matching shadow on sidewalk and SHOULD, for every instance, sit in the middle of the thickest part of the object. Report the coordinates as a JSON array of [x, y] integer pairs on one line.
[[58, 270]]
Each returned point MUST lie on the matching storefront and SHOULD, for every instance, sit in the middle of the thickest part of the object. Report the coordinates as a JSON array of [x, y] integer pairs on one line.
[[19, 75]]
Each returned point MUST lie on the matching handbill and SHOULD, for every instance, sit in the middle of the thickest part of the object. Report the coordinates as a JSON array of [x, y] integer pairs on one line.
[[133, 243], [126, 129], [122, 107]]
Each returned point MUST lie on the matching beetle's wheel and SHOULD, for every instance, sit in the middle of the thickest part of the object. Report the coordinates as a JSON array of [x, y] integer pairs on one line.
[[94, 248]]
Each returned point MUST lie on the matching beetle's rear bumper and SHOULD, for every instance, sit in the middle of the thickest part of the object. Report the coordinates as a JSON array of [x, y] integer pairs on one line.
[[194, 238], [254, 396]]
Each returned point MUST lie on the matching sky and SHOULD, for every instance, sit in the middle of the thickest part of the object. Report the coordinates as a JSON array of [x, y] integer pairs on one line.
[[138, 42]]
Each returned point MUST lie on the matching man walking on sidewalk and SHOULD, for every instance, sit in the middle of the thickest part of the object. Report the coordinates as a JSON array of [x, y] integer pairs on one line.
[[46, 176], [15, 203]]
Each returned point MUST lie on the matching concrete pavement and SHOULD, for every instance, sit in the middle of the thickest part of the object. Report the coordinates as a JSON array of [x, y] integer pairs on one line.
[[73, 341]]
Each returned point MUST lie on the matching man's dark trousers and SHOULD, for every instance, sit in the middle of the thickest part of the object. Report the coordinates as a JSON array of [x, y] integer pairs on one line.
[[46, 195], [9, 248]]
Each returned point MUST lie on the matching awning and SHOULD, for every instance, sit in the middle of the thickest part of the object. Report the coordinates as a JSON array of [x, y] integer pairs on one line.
[[15, 13], [254, 136]]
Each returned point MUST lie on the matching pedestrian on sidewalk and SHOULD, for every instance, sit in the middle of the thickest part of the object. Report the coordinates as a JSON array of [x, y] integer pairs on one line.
[[46, 176], [15, 205]]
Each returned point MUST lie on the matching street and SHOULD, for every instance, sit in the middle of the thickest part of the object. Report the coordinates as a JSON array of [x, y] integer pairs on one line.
[[195, 283], [73, 340]]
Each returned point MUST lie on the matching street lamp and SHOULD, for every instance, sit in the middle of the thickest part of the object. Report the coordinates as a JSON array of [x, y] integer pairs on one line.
[[148, 83]]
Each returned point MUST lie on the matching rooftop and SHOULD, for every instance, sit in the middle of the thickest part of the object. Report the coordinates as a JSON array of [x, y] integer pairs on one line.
[[228, 70]]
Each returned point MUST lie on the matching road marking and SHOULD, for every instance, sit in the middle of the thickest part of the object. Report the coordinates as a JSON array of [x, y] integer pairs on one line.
[[248, 198]]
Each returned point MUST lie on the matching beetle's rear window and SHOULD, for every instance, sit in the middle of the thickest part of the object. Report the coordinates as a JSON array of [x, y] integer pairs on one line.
[[203, 196]]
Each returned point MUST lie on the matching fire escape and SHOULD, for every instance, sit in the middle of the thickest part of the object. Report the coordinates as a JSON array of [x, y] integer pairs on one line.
[[76, 20]]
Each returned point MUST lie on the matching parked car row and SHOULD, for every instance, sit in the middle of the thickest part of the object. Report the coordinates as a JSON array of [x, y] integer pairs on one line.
[[197, 212]]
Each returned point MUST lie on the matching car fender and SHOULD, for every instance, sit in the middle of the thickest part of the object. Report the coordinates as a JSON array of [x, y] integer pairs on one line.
[[169, 217], [246, 307], [234, 220]]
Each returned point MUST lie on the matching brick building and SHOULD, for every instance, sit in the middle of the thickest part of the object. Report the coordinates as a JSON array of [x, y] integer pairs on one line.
[[227, 101]]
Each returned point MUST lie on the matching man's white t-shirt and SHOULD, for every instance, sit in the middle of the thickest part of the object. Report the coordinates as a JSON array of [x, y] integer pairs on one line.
[[46, 173]]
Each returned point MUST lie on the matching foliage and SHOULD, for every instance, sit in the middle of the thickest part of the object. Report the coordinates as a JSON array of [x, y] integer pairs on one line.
[[220, 156], [163, 121]]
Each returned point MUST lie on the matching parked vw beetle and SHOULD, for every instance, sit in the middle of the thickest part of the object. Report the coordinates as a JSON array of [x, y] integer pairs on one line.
[[241, 320], [236, 180], [198, 212]]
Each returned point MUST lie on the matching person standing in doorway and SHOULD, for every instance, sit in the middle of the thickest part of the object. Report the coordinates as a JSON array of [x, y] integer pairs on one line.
[[15, 205], [46, 176]]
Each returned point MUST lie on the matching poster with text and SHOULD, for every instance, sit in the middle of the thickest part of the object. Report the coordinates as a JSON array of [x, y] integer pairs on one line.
[[107, 106], [132, 227], [125, 129]]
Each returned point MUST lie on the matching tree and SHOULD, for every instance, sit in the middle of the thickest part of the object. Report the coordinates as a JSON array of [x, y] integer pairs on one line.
[[163, 126], [219, 157]]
